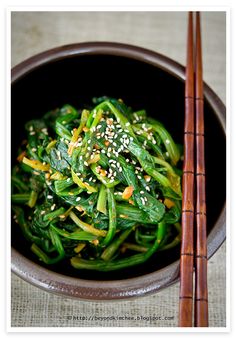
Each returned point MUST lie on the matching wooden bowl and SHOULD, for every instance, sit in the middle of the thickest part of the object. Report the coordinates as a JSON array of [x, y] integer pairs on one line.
[[143, 79]]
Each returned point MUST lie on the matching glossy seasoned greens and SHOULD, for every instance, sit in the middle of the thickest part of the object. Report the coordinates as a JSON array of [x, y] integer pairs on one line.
[[99, 188]]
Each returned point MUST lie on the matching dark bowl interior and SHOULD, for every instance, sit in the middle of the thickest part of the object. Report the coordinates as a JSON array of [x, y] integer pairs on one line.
[[76, 80]]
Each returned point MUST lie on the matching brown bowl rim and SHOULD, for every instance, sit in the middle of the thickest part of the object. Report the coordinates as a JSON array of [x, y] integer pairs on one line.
[[131, 287]]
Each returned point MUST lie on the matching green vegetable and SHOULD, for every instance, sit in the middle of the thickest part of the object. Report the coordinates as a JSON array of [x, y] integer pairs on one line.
[[94, 186]]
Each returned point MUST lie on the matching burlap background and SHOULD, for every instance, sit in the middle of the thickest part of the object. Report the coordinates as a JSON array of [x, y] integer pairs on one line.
[[165, 32]]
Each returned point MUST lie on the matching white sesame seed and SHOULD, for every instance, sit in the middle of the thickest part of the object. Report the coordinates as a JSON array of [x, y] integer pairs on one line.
[[78, 199], [68, 180], [127, 160], [32, 133], [103, 151], [94, 180], [53, 206], [59, 155], [42, 212], [143, 201], [147, 188], [139, 177], [154, 141], [167, 141], [141, 192], [34, 150], [86, 163], [89, 141], [99, 126], [49, 197], [45, 131], [31, 128], [120, 169], [127, 124], [108, 155], [167, 154], [145, 198]]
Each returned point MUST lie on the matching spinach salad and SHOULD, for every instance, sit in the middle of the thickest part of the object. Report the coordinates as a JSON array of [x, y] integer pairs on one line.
[[99, 188]]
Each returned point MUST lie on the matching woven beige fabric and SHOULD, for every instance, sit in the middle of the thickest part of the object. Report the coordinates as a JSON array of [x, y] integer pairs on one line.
[[164, 33]]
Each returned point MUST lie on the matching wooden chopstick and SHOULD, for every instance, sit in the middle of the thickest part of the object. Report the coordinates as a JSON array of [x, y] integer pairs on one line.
[[201, 292], [187, 244], [193, 214]]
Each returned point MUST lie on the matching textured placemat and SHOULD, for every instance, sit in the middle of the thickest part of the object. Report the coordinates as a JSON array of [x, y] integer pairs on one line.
[[164, 33]]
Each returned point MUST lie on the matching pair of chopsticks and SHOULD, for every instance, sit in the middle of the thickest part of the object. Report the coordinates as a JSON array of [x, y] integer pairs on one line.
[[194, 234]]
